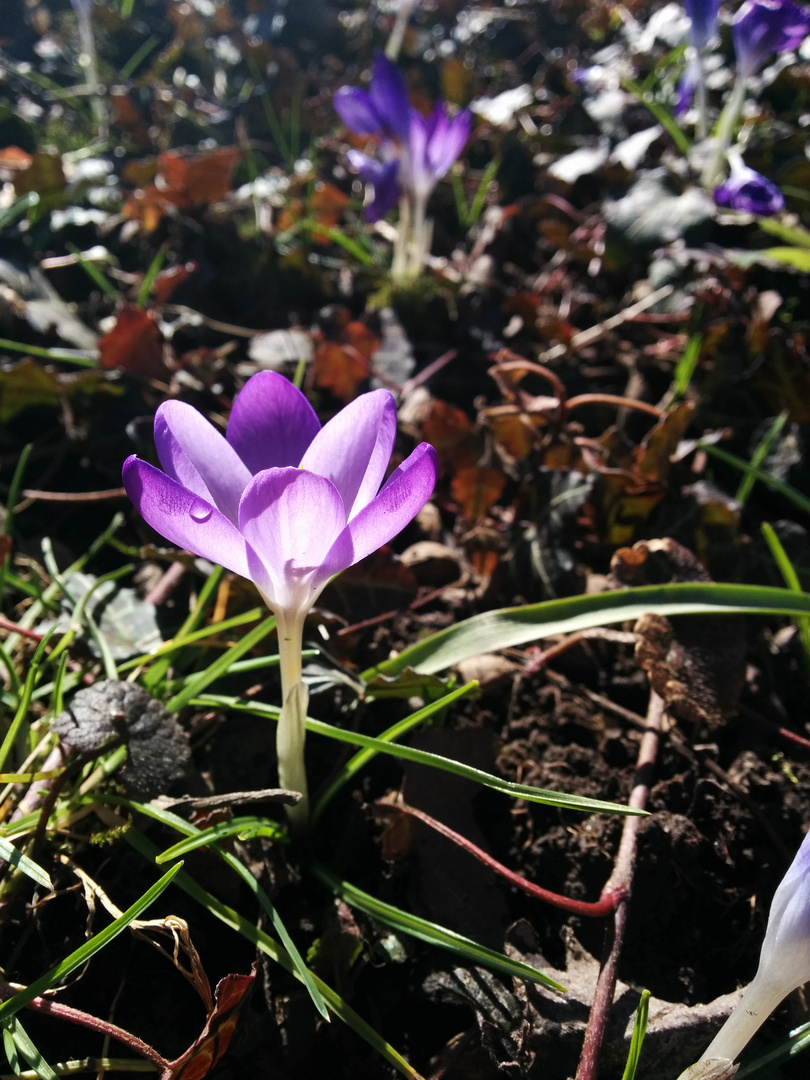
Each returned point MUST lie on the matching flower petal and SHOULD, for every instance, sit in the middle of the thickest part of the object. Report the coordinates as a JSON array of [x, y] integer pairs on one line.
[[271, 422], [293, 521], [750, 192], [383, 177], [405, 493], [447, 140], [353, 449], [390, 97], [183, 517], [187, 444], [356, 109]]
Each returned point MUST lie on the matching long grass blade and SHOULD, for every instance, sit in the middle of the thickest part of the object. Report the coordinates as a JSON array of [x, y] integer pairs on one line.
[[81, 955], [463, 947]]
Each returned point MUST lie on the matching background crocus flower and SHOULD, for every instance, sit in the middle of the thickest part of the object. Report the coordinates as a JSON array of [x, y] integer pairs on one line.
[[702, 28], [281, 501], [749, 191], [415, 152], [764, 27], [784, 965]]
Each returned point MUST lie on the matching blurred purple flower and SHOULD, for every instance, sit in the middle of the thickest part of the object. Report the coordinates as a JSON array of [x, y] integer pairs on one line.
[[415, 152], [764, 27], [702, 21], [280, 499], [749, 191]]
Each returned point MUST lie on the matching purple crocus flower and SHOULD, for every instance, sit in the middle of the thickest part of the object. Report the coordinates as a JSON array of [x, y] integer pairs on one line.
[[764, 27], [284, 502], [749, 191], [784, 965], [280, 499], [415, 152]]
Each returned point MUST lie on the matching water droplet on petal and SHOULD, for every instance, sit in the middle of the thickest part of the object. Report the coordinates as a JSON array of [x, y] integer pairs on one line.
[[201, 512]]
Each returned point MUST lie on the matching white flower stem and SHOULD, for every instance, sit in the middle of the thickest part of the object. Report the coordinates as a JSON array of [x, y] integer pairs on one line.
[[700, 96], [291, 733], [713, 173], [403, 239], [754, 1007]]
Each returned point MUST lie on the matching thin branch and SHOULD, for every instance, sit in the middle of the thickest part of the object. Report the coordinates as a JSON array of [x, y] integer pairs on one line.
[[619, 886]]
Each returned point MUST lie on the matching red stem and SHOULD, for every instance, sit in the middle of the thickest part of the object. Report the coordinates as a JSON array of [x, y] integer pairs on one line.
[[103, 1027], [598, 909]]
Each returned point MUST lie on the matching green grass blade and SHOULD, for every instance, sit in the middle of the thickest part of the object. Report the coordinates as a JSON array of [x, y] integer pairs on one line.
[[791, 579], [765, 478], [150, 275], [462, 947], [396, 731], [241, 826], [271, 948], [81, 955], [79, 357], [764, 1065], [637, 1038], [291, 950], [766, 443], [685, 368], [23, 1043], [662, 115], [25, 698], [337, 237], [216, 670], [157, 672], [423, 757], [24, 864], [19, 207], [508, 627]]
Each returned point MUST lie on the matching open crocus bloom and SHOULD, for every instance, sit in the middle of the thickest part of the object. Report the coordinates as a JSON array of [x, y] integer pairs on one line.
[[280, 499], [284, 502], [416, 152]]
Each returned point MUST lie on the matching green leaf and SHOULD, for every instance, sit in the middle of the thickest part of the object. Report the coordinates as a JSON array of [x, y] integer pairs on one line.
[[637, 1038], [462, 947], [22, 1042], [423, 757], [763, 1065], [24, 864], [509, 627], [81, 955], [750, 469], [797, 257], [790, 234]]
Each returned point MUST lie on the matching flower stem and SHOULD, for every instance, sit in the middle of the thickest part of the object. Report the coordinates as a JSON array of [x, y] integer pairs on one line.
[[713, 173], [291, 733], [751, 1011], [702, 127]]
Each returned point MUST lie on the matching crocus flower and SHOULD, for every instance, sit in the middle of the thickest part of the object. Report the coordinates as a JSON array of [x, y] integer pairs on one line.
[[764, 27], [281, 500], [415, 152], [749, 191], [784, 965]]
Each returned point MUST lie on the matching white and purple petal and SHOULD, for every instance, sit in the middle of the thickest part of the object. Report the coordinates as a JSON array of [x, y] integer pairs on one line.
[[447, 141], [183, 517], [353, 449], [271, 423], [189, 447], [292, 521], [402, 497], [382, 178]]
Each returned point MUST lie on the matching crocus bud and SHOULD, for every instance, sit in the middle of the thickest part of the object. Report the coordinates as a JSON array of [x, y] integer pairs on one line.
[[784, 965], [748, 191]]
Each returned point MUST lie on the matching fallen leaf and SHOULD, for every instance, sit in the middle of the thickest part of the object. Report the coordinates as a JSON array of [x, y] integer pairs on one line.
[[475, 489], [133, 344]]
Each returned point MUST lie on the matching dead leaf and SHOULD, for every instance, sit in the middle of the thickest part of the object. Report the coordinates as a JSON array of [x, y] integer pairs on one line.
[[133, 344], [476, 489], [230, 996]]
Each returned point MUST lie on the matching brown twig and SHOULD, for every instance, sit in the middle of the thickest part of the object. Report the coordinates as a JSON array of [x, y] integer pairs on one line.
[[619, 886], [34, 495]]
